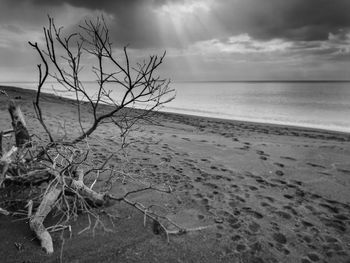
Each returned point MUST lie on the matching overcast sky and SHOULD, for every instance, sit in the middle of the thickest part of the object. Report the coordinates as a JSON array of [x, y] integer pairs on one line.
[[204, 39]]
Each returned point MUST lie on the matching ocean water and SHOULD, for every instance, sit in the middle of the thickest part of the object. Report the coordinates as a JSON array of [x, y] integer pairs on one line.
[[324, 105]]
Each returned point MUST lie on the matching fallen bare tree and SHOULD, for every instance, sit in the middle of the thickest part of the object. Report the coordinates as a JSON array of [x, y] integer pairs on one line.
[[56, 169]]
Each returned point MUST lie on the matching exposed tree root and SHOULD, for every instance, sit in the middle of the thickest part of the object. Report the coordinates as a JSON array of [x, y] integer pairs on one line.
[[4, 212], [37, 220]]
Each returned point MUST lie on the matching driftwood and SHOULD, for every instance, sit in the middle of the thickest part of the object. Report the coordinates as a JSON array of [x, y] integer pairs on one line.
[[58, 164], [5, 162], [36, 221], [18, 124], [1, 134], [94, 197]]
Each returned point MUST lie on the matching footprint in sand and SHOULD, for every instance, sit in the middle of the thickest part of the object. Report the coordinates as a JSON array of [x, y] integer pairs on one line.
[[288, 196], [291, 209], [313, 256], [254, 227], [279, 164], [255, 214], [236, 238], [288, 158], [279, 173], [241, 247], [252, 188], [315, 165], [279, 238], [283, 215], [245, 147], [344, 171]]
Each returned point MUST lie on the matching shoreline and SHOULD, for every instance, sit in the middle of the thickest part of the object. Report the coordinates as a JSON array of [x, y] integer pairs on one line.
[[261, 124]]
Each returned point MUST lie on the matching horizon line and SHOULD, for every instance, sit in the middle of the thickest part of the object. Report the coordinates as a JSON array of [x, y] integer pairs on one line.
[[268, 81], [201, 81]]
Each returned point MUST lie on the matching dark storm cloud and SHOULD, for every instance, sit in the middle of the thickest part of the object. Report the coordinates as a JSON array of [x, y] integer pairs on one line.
[[295, 20], [135, 21]]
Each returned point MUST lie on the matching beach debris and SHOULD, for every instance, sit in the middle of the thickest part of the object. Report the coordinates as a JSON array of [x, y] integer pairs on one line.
[[36, 221], [19, 246], [54, 170], [4, 212], [19, 125]]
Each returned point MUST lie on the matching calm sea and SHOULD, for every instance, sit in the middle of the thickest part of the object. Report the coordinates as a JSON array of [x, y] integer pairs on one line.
[[324, 105]]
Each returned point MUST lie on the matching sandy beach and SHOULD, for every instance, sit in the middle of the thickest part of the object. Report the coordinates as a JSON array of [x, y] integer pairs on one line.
[[262, 193]]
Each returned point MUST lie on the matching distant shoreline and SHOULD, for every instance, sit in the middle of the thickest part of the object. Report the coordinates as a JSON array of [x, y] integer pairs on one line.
[[263, 81], [216, 119], [214, 81]]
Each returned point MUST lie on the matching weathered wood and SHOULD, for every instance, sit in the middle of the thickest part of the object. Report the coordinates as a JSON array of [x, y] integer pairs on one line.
[[5, 162], [18, 124], [36, 221], [4, 212], [89, 194], [34, 177], [1, 133]]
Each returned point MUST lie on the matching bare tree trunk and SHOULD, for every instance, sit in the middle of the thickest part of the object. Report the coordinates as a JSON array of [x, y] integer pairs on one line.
[[5, 162], [18, 124], [36, 221], [1, 133]]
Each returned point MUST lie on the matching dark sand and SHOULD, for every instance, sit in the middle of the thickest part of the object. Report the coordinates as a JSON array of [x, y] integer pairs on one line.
[[267, 193]]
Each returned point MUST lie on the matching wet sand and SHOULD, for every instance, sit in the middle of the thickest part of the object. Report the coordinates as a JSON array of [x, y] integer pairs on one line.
[[266, 193]]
